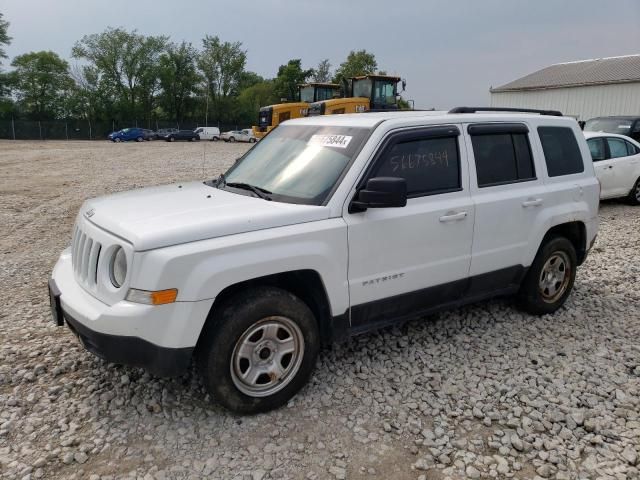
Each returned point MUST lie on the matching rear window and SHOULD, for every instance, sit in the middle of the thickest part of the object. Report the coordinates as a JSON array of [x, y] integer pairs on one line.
[[502, 158], [561, 151]]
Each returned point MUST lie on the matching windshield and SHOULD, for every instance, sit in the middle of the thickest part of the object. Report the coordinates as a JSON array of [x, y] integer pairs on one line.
[[384, 92], [299, 163], [362, 88], [609, 125], [326, 93], [306, 94]]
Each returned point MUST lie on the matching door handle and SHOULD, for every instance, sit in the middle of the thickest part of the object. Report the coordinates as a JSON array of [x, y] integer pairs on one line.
[[610, 166], [453, 217], [532, 202]]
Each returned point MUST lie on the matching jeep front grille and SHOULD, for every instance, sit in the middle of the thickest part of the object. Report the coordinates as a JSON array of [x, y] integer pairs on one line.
[[85, 253]]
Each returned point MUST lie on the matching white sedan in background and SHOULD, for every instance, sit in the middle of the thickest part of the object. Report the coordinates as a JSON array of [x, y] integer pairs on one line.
[[245, 135], [616, 160]]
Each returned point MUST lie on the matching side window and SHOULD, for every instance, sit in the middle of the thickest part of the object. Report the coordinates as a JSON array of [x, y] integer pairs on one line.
[[429, 165], [502, 158], [632, 149], [617, 147], [596, 146], [561, 151]]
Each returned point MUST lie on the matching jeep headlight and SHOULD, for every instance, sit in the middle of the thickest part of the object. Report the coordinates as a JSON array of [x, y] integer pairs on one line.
[[118, 267]]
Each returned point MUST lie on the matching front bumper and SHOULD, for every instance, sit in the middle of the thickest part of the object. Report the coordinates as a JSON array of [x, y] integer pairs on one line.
[[133, 351], [160, 339]]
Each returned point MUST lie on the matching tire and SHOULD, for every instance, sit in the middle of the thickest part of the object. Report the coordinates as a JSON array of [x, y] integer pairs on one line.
[[257, 320], [193, 139], [171, 139], [215, 139], [634, 194], [252, 140], [139, 139], [550, 278], [232, 139], [117, 140]]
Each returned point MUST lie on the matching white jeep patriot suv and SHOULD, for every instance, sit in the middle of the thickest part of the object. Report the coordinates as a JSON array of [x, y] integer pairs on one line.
[[329, 226]]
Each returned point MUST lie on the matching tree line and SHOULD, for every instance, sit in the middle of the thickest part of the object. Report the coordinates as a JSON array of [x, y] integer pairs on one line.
[[122, 75]]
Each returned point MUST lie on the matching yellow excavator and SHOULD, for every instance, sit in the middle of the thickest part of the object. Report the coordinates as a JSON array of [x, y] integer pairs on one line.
[[272, 115], [362, 94]]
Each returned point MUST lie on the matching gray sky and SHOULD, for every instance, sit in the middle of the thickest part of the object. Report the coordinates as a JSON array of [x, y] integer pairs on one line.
[[450, 51]]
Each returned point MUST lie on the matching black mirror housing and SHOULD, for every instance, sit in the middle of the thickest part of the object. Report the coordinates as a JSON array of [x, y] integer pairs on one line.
[[381, 192]]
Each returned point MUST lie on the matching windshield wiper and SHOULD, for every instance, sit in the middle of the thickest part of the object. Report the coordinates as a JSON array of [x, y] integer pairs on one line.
[[260, 192]]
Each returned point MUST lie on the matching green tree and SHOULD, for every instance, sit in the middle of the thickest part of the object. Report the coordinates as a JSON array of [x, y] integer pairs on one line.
[[222, 65], [248, 79], [42, 83], [289, 77], [252, 98], [179, 79], [322, 72], [5, 39], [127, 65], [358, 62]]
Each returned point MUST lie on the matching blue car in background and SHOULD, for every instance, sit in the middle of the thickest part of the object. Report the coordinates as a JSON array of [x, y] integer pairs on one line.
[[127, 134]]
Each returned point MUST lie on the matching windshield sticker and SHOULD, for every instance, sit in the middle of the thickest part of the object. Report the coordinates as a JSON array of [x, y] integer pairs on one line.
[[336, 141]]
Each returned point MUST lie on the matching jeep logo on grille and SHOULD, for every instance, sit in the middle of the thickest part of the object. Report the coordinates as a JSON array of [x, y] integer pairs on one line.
[[89, 213]]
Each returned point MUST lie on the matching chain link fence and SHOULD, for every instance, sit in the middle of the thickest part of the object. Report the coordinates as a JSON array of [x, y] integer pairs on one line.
[[87, 130]]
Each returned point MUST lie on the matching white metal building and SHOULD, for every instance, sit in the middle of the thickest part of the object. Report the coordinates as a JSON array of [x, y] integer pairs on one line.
[[583, 89]]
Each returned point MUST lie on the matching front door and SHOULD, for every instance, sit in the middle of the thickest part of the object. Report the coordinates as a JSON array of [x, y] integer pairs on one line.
[[405, 260]]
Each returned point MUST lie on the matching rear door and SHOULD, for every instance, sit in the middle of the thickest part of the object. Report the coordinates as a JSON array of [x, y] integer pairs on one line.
[[509, 198], [409, 259]]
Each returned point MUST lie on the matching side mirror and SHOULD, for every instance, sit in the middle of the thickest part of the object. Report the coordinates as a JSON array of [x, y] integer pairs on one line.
[[404, 84], [381, 192]]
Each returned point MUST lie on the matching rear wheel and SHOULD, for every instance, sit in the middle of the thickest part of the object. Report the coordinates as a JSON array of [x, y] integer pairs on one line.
[[139, 139], [232, 139], [252, 140], [215, 139], [117, 140], [258, 350], [550, 279], [634, 194], [172, 139]]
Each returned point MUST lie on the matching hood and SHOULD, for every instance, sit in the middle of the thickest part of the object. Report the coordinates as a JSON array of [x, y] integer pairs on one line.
[[173, 214]]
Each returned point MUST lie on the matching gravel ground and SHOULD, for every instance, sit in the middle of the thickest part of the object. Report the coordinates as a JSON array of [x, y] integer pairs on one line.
[[478, 392]]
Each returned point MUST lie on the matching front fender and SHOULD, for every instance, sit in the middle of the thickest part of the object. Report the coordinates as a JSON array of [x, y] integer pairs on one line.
[[201, 270]]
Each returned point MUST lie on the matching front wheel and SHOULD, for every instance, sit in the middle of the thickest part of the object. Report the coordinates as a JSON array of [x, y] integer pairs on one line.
[[232, 139], [172, 139], [550, 279], [215, 139], [258, 350], [252, 140], [117, 140], [634, 194], [139, 139]]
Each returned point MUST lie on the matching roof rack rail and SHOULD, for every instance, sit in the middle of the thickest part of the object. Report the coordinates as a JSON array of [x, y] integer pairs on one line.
[[553, 113]]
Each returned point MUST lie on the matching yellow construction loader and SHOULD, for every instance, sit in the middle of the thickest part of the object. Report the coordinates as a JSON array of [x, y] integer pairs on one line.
[[362, 94], [272, 115]]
